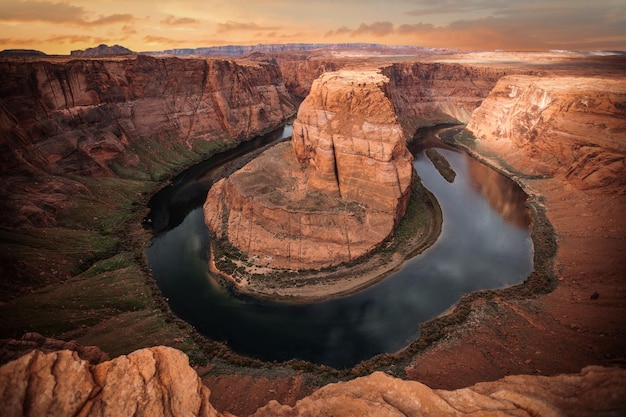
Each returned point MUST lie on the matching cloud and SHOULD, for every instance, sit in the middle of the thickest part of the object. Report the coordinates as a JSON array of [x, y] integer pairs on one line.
[[528, 25], [377, 29], [58, 13], [341, 31], [428, 7], [18, 42], [84, 39], [160, 40], [174, 21], [231, 26], [114, 18]]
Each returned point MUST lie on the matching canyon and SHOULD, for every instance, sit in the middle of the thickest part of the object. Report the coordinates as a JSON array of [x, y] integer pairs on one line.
[[83, 139]]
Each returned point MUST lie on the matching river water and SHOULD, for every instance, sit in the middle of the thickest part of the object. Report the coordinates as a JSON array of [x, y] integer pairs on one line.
[[485, 243]]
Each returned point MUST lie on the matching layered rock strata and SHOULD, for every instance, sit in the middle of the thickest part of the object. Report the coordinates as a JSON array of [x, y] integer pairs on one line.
[[159, 382], [130, 117], [573, 126], [330, 196], [78, 116], [426, 94]]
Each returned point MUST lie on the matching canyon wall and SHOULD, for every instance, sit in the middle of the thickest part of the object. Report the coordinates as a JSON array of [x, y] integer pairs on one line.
[[159, 382], [426, 94], [79, 116], [133, 117], [567, 126], [331, 196]]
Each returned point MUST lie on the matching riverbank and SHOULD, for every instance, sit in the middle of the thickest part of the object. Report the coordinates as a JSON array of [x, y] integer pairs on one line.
[[578, 320], [416, 232]]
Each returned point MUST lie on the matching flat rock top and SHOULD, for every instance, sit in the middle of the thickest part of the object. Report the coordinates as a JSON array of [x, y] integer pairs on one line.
[[275, 179]]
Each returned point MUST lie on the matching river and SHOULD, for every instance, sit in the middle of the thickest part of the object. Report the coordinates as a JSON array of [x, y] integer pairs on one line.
[[485, 243]]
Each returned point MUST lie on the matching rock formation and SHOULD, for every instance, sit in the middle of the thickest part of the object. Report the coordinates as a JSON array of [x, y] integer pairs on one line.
[[159, 382], [594, 391], [573, 126], [127, 117], [79, 116], [434, 93], [332, 195], [149, 382]]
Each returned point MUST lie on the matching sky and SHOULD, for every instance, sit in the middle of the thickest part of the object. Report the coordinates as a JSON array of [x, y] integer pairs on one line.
[[60, 26]]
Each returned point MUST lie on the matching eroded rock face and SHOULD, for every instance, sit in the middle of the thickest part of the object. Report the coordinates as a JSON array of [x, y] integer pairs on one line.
[[569, 126], [333, 194], [159, 382], [594, 391], [149, 382], [77, 116]]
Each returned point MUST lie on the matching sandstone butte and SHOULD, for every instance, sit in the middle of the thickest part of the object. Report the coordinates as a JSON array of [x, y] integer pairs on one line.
[[158, 382], [331, 195]]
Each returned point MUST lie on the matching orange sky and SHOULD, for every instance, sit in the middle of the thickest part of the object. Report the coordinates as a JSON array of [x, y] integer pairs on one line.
[[59, 26]]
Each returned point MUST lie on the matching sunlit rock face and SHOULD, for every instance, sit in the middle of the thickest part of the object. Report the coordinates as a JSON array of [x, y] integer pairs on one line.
[[159, 382], [330, 196], [569, 126], [149, 382]]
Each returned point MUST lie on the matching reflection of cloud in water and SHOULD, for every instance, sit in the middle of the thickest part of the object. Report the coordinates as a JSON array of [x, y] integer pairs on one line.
[[502, 193]]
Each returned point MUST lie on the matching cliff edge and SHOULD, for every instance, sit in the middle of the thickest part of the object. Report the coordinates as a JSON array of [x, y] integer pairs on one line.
[[573, 127], [159, 382]]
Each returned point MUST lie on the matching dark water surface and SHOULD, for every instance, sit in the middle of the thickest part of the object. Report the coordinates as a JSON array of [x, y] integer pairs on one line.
[[485, 243]]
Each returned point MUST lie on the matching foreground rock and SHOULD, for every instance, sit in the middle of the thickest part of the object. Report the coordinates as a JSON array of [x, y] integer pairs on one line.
[[159, 382], [331, 196], [595, 391], [150, 382]]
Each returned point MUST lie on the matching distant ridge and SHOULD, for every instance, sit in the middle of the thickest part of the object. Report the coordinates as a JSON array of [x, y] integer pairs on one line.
[[102, 50], [21, 52], [238, 50]]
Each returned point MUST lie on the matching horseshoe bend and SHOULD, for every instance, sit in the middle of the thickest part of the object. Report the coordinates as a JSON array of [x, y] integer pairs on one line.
[[87, 141], [330, 196]]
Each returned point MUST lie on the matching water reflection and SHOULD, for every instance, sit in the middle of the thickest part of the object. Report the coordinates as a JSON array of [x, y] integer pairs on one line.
[[502, 194]]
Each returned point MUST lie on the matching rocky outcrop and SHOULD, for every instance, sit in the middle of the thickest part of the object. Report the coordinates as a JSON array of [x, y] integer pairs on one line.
[[595, 391], [102, 50], [11, 349], [82, 116], [568, 126], [331, 196], [150, 382], [159, 382], [299, 71]]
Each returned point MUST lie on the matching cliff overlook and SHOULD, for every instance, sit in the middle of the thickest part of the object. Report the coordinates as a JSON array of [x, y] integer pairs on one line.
[[330, 196], [159, 382]]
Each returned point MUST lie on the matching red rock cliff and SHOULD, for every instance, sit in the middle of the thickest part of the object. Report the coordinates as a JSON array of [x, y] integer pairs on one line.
[[79, 116], [332, 195], [432, 93], [569, 126]]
